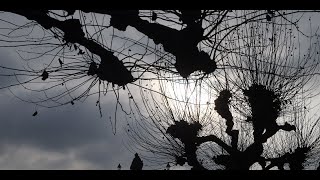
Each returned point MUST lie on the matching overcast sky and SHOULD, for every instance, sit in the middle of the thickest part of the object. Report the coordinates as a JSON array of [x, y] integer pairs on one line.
[[67, 137]]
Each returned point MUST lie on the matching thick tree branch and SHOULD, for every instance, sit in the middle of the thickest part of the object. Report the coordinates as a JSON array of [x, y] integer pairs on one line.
[[111, 69], [182, 44], [213, 138], [222, 107], [275, 129]]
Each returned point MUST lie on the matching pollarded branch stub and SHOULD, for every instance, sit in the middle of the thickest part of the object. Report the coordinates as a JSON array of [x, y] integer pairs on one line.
[[222, 104], [111, 68], [182, 44], [106, 71], [93, 69], [222, 107], [298, 157], [263, 100], [69, 13], [265, 107], [241, 159], [190, 16], [184, 131], [295, 159], [187, 63], [181, 160], [72, 30], [122, 19], [188, 57], [44, 75]]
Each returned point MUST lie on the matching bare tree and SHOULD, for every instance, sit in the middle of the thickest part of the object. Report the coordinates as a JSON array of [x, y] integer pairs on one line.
[[87, 50], [241, 72], [264, 82]]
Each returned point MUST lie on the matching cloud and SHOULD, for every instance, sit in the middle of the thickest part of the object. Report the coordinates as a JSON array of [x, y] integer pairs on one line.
[[68, 137], [29, 157]]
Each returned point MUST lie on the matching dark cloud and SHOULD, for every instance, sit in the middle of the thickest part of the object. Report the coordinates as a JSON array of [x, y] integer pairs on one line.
[[74, 129]]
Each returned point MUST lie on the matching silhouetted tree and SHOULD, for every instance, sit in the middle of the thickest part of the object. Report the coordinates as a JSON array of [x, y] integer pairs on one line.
[[240, 73], [241, 118], [80, 59], [168, 167], [137, 163]]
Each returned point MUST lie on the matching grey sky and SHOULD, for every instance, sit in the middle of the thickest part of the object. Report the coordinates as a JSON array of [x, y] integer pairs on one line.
[[60, 138], [67, 137]]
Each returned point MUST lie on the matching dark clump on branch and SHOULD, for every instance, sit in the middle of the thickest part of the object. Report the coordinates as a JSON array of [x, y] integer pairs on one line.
[[184, 131], [35, 113], [265, 108], [154, 16], [70, 12], [111, 68], [92, 69], [269, 15], [240, 160], [182, 44], [190, 16], [180, 160], [75, 30], [297, 158], [105, 72], [187, 63], [120, 77], [222, 107], [137, 163], [45, 75], [188, 58], [187, 134], [120, 20]]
